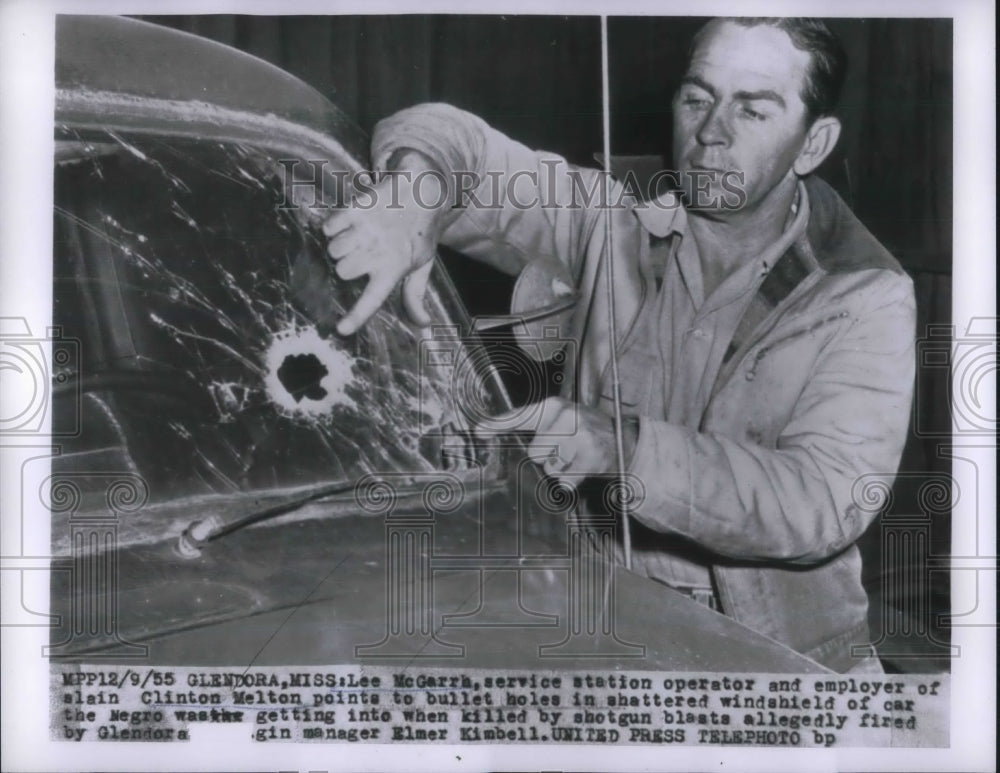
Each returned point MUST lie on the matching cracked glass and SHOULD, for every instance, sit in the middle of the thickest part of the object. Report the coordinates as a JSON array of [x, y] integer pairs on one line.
[[205, 307]]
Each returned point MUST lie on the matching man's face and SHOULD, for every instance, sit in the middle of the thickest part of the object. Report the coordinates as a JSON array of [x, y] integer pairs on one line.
[[739, 109]]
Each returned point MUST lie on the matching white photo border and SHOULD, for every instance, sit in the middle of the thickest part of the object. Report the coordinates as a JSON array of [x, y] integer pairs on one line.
[[26, 89]]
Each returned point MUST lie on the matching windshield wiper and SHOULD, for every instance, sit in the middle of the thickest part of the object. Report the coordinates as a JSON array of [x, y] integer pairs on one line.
[[202, 531]]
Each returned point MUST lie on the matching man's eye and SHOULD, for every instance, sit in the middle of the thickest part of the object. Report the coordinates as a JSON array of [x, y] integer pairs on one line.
[[696, 102], [753, 115]]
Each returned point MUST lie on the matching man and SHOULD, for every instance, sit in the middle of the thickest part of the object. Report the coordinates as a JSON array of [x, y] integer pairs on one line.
[[765, 344]]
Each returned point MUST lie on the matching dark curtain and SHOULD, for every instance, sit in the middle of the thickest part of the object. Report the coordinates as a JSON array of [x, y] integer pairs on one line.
[[538, 79]]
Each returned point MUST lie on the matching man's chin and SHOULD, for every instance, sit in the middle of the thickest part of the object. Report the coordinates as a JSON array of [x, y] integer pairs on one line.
[[712, 191]]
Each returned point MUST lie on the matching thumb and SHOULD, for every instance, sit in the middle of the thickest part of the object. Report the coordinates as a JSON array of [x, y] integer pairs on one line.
[[380, 166], [414, 290]]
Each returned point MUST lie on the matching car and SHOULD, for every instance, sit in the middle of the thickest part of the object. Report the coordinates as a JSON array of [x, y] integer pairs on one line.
[[245, 485]]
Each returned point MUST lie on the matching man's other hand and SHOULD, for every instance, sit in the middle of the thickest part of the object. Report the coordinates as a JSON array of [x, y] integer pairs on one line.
[[390, 235], [570, 440]]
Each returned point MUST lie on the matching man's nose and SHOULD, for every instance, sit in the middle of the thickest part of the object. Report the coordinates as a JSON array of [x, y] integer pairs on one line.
[[714, 129]]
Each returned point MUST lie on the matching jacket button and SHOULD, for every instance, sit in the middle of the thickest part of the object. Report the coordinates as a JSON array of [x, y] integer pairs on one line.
[[751, 375]]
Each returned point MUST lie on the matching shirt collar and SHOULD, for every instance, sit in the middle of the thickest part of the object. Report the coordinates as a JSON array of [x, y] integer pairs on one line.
[[666, 215], [663, 215]]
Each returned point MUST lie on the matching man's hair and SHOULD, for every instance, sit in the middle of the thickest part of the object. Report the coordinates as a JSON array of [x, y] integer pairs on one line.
[[827, 59]]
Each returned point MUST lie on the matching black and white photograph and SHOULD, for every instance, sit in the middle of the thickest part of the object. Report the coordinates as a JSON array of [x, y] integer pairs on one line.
[[401, 388]]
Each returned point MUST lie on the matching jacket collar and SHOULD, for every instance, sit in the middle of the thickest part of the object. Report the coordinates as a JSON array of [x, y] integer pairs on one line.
[[838, 240]]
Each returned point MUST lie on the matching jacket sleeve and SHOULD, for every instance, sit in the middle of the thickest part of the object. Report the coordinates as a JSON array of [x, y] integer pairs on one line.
[[794, 502], [509, 204]]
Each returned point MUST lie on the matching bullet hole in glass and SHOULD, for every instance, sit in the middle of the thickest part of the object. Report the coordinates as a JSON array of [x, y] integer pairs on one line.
[[301, 375]]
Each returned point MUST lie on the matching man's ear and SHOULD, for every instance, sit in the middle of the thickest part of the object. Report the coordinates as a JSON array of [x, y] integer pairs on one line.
[[820, 141]]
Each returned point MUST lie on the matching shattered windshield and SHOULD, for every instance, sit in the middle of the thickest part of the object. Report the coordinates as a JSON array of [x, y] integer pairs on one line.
[[205, 308]]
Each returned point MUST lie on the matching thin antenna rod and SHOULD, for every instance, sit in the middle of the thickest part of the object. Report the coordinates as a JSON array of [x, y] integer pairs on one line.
[[610, 277]]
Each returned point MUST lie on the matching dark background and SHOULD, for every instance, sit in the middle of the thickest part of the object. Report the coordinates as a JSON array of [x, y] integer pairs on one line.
[[538, 79]]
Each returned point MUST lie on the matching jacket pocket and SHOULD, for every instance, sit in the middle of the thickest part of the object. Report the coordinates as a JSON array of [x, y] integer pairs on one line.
[[781, 339]]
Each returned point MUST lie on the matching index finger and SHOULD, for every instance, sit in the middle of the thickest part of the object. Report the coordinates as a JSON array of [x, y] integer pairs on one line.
[[374, 295], [337, 222]]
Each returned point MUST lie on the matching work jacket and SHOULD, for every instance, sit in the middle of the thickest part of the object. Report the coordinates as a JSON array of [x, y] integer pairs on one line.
[[815, 395]]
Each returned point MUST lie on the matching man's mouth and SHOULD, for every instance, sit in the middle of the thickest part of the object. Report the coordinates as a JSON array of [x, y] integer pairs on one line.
[[706, 168]]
